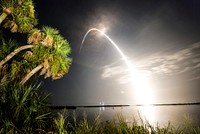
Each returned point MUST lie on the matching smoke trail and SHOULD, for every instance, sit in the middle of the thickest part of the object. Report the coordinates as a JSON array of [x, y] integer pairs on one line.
[[112, 42], [143, 88]]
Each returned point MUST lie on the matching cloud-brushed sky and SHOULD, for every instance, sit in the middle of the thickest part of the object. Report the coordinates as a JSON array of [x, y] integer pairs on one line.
[[160, 38], [183, 61]]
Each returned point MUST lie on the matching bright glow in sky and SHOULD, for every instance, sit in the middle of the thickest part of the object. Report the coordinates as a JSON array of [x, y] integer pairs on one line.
[[140, 81], [160, 39], [143, 88], [164, 49], [144, 95]]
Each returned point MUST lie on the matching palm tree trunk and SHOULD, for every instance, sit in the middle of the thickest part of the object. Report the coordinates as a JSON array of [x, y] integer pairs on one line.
[[16, 51], [29, 75], [6, 12], [2, 17]]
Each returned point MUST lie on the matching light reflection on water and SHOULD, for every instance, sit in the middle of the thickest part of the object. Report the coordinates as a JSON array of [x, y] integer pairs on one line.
[[147, 113], [160, 115]]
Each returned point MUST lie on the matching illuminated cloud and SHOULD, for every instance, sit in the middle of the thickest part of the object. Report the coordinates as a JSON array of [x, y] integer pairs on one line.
[[182, 61], [119, 72], [102, 20], [179, 62]]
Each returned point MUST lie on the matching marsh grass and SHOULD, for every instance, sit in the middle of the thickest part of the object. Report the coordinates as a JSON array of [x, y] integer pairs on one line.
[[61, 122], [117, 125], [22, 109], [190, 127], [65, 122]]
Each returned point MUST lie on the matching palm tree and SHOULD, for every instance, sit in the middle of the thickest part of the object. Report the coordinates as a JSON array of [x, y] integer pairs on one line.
[[17, 15], [46, 53], [50, 53]]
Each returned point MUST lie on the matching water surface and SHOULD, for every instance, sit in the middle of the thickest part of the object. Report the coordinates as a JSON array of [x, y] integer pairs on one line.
[[161, 115]]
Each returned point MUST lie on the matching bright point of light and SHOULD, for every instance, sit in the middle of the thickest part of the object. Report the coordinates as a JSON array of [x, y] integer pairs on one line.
[[103, 30], [102, 108]]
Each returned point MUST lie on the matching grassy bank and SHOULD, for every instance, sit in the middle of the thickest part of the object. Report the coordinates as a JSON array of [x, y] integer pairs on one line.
[[68, 124], [23, 110]]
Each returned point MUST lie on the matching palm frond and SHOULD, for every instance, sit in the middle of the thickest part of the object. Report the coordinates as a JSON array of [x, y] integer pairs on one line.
[[25, 24], [49, 30], [48, 41], [7, 4], [15, 68], [21, 13], [6, 47], [34, 36]]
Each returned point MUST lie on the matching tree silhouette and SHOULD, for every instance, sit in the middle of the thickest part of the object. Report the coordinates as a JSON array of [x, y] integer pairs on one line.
[[45, 51], [23, 106]]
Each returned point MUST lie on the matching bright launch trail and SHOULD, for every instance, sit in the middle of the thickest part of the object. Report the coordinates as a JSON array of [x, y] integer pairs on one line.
[[113, 43], [141, 83]]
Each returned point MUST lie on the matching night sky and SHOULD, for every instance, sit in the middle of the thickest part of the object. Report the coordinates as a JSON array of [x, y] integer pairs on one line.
[[160, 38]]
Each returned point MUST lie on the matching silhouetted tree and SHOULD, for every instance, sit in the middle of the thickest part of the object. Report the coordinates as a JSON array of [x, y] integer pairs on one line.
[[46, 50], [22, 106]]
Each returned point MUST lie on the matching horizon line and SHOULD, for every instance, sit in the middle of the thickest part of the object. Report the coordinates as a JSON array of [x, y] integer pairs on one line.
[[120, 105]]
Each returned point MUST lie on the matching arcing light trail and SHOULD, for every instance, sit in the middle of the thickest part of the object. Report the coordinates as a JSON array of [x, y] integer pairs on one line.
[[139, 79], [141, 83], [113, 43]]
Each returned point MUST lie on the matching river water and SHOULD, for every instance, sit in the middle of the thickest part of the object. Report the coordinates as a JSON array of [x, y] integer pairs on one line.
[[155, 115]]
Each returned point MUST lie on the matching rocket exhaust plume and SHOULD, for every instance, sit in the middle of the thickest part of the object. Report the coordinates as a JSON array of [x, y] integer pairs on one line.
[[112, 42]]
